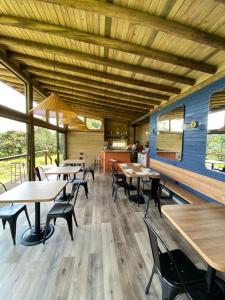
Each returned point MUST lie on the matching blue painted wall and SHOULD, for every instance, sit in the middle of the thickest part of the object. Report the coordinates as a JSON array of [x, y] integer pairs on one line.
[[194, 140]]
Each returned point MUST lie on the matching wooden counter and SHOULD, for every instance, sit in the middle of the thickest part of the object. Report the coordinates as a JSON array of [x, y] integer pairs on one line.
[[122, 156]]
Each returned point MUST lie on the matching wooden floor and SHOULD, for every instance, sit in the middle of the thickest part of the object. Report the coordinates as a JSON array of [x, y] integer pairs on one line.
[[110, 256]]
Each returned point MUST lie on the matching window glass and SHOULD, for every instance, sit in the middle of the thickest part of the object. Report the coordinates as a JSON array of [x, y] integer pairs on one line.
[[45, 146], [170, 134], [93, 124], [62, 154], [215, 149], [12, 90], [13, 151]]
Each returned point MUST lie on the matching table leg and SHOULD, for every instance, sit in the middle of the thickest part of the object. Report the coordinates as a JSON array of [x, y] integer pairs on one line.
[[34, 235], [215, 285], [131, 186]]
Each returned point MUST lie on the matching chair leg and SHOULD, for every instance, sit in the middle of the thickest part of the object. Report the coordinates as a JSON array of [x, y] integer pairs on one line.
[[116, 189], [159, 206], [86, 189], [113, 190], [146, 211], [74, 216], [27, 216], [12, 225], [70, 225], [125, 191], [3, 223], [46, 228], [150, 281], [93, 175], [54, 221]]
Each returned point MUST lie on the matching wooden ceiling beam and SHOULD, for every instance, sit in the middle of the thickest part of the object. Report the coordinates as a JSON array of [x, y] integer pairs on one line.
[[105, 42], [94, 83], [91, 91], [41, 62], [51, 88], [144, 19], [79, 100], [9, 41]]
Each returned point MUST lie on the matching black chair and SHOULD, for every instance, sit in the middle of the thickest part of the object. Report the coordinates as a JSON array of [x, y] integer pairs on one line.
[[153, 194], [177, 274], [81, 181], [64, 210], [146, 180], [119, 181], [39, 171], [9, 213], [91, 169]]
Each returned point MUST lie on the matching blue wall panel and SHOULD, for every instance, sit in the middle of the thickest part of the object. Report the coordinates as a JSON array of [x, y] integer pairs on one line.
[[194, 141]]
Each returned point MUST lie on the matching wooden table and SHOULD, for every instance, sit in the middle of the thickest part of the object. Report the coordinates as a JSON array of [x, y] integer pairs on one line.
[[73, 161], [203, 226], [63, 171], [37, 192], [135, 170]]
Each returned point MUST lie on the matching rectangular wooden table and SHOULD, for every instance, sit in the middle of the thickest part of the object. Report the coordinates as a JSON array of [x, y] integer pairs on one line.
[[73, 161], [37, 192], [203, 226], [63, 171], [135, 170]]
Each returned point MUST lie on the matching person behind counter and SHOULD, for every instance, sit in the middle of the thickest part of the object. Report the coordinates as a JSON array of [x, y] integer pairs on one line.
[[136, 147]]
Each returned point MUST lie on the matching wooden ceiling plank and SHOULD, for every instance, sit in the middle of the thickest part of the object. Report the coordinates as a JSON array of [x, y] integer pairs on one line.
[[85, 81], [41, 62], [96, 60], [144, 19], [105, 42]]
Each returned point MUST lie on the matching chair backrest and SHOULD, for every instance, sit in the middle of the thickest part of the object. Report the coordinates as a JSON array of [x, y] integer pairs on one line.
[[74, 194], [2, 187], [154, 238], [40, 173]]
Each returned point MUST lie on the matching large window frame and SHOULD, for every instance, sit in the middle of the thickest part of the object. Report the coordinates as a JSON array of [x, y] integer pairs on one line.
[[27, 117]]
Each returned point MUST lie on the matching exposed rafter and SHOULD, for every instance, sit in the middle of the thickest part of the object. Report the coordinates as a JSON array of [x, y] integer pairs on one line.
[[144, 19], [96, 60], [109, 43], [92, 83], [96, 91], [40, 62], [101, 99]]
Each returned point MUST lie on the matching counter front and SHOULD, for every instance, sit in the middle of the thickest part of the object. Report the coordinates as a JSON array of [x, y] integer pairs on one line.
[[122, 156]]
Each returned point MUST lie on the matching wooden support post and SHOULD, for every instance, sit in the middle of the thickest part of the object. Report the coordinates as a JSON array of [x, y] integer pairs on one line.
[[30, 133]]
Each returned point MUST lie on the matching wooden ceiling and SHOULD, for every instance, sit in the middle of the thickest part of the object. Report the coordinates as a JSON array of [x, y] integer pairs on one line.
[[115, 59]]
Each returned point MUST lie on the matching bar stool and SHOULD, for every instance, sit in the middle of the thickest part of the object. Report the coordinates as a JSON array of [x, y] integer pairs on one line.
[[18, 170]]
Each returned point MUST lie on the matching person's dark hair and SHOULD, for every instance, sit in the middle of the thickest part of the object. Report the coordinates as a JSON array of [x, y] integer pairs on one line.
[[137, 142]]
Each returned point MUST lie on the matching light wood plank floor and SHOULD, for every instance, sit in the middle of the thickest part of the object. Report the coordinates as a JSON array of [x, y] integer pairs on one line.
[[110, 256]]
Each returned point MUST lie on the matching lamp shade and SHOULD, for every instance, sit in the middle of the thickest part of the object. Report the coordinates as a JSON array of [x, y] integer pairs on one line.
[[55, 104], [75, 123]]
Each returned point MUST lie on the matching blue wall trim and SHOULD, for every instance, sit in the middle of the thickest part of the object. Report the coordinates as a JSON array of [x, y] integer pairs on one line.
[[194, 140]]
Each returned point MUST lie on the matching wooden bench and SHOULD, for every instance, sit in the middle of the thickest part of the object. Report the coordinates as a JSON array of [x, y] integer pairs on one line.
[[180, 191], [205, 185]]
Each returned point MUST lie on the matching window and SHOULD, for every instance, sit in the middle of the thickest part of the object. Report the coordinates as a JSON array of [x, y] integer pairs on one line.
[[215, 148], [12, 91], [45, 146], [93, 124], [119, 144], [13, 150]]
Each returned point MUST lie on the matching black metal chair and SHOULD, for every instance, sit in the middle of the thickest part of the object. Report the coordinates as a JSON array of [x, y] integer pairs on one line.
[[119, 181], [64, 210], [9, 213], [39, 171], [153, 194], [177, 274], [91, 169], [81, 181]]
